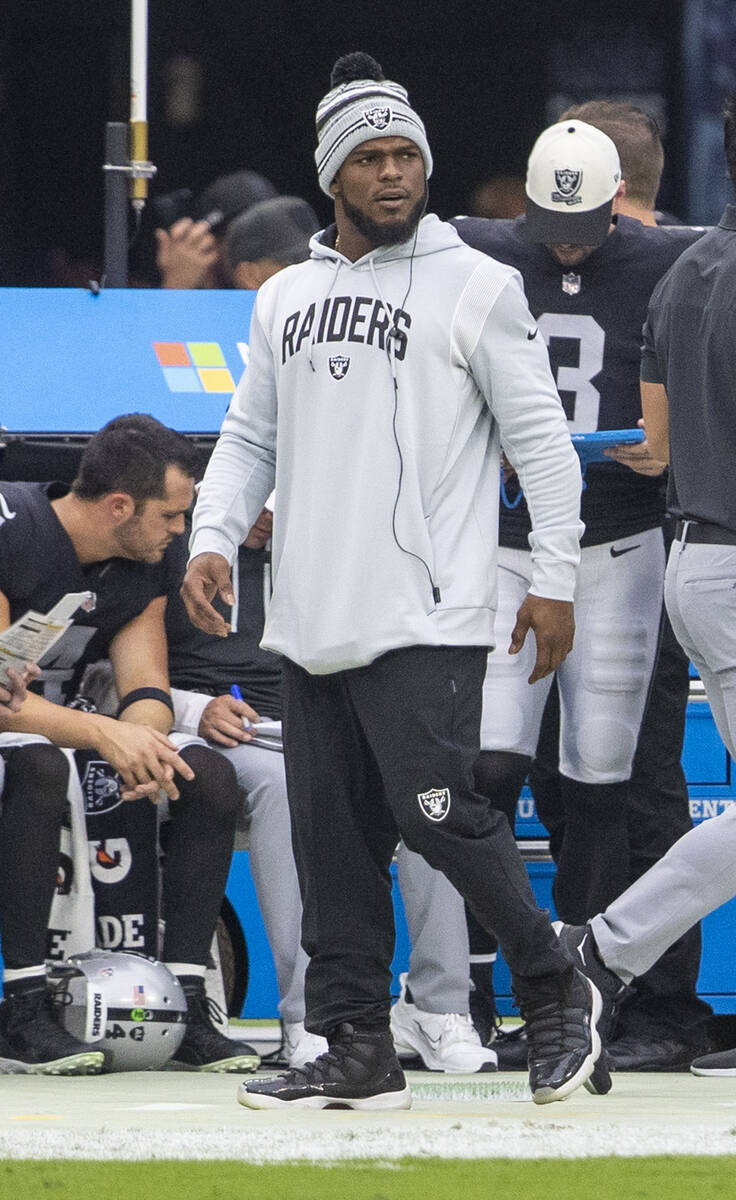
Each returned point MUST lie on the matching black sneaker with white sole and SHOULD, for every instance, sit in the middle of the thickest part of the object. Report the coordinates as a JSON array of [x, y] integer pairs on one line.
[[580, 944], [561, 1016], [360, 1070], [722, 1062], [32, 1042], [205, 1047]]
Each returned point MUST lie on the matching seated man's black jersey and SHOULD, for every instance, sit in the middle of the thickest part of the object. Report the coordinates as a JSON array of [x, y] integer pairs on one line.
[[38, 565], [202, 662], [591, 318]]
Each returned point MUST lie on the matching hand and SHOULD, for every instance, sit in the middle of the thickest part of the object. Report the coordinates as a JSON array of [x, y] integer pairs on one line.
[[260, 533], [207, 576], [507, 467], [186, 254], [636, 456], [553, 623], [14, 692], [222, 721], [144, 758]]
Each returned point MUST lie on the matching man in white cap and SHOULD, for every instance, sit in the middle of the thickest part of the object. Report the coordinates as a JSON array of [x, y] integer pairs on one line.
[[384, 374], [588, 274]]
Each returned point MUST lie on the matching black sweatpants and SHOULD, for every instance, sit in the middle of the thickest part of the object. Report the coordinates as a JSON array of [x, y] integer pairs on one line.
[[377, 753]]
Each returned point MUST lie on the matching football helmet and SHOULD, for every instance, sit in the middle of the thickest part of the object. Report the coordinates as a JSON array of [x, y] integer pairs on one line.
[[129, 1003]]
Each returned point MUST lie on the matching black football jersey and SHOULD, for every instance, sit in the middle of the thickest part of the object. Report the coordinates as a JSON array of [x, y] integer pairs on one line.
[[591, 318], [38, 565], [202, 662]]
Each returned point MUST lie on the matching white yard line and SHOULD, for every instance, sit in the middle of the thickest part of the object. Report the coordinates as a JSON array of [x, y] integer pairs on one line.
[[190, 1116]]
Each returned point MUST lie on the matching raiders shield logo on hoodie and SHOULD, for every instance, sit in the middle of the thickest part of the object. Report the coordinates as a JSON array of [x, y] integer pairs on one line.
[[339, 364]]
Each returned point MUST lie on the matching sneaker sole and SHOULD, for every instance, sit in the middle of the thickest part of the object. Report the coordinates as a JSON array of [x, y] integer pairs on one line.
[[89, 1063], [381, 1102], [722, 1071], [548, 1095], [599, 1082], [225, 1066]]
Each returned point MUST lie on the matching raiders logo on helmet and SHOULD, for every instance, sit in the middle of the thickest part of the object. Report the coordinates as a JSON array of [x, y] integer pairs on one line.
[[568, 184], [339, 364], [435, 804], [378, 117]]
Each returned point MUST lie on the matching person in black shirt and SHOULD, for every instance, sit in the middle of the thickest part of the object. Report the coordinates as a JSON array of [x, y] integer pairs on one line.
[[688, 380], [203, 669], [114, 533], [587, 290]]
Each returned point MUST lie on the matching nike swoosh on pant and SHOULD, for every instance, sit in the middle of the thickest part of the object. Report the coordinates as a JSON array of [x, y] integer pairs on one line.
[[625, 550]]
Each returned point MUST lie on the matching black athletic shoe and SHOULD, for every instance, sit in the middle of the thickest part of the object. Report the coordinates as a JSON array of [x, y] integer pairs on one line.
[[360, 1070], [32, 1041], [580, 945], [511, 1049], [561, 1016], [205, 1047], [722, 1062], [651, 1053]]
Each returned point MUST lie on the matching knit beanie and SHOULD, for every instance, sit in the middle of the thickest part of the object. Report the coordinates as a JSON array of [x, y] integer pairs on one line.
[[361, 105]]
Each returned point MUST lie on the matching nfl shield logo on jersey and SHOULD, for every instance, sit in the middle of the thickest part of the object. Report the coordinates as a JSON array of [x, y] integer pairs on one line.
[[378, 117], [568, 185], [435, 803], [339, 364], [571, 283]]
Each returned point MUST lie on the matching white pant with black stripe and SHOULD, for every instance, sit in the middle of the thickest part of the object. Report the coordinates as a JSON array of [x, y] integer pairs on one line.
[[604, 680]]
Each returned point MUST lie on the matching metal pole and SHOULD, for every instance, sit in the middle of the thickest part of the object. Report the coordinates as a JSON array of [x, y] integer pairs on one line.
[[139, 102], [116, 204]]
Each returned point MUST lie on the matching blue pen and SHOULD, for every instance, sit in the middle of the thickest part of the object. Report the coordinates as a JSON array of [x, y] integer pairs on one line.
[[236, 693]]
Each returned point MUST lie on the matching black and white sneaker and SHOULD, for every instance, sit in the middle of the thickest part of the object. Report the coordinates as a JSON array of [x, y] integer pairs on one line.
[[32, 1042], [580, 944], [722, 1062], [561, 1016], [360, 1070], [205, 1047]]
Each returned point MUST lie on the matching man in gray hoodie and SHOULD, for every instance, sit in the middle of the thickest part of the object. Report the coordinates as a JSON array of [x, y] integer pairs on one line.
[[383, 376]]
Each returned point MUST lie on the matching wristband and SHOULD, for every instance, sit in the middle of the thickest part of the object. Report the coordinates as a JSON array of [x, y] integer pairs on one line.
[[145, 693]]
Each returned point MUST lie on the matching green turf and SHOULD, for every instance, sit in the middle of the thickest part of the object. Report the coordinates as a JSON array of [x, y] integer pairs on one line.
[[665, 1178]]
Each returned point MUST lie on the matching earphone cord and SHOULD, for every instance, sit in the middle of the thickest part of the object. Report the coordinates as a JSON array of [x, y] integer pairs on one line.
[[392, 334]]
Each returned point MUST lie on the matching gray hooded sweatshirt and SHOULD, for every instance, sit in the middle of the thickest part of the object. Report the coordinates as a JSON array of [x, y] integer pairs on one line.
[[376, 398]]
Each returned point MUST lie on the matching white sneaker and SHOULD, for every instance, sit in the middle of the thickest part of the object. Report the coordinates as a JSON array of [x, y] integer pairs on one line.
[[299, 1046], [443, 1041]]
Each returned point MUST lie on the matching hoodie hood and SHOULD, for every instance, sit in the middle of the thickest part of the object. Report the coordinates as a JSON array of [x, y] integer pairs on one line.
[[432, 236]]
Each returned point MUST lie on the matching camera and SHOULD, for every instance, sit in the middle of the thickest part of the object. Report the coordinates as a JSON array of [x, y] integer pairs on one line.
[[169, 208]]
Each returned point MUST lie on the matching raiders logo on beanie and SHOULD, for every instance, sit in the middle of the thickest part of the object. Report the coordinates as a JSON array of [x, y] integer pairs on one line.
[[362, 104]]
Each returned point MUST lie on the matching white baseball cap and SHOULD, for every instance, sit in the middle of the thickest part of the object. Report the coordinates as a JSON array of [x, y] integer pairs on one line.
[[573, 174]]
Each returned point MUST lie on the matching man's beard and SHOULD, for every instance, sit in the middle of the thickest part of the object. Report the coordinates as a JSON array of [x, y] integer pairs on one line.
[[385, 235]]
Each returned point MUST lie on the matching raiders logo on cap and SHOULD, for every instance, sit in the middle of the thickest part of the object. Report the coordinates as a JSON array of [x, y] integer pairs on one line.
[[568, 185]]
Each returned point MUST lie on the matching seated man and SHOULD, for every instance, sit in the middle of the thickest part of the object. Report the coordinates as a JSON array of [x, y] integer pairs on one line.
[[208, 667], [113, 533]]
